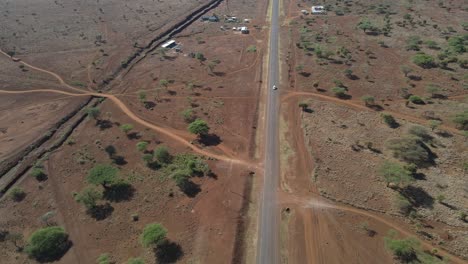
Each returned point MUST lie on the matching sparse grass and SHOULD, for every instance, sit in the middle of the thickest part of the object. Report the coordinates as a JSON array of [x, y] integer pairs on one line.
[[252, 48]]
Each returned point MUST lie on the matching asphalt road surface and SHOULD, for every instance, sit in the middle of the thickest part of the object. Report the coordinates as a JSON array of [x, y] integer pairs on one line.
[[267, 247]]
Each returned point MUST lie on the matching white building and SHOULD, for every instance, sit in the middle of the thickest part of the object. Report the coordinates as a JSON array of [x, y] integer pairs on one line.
[[318, 10], [169, 44]]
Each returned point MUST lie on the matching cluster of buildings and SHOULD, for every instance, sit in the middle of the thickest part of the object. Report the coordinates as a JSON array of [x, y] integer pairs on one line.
[[229, 19]]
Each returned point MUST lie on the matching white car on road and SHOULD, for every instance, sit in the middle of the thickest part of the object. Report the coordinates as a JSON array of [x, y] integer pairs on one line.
[[275, 87]]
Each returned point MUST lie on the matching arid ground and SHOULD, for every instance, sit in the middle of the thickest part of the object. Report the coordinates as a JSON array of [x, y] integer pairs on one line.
[[87, 84]]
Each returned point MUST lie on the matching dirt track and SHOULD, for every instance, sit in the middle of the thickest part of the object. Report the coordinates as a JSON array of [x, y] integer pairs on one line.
[[358, 106], [126, 110], [186, 142]]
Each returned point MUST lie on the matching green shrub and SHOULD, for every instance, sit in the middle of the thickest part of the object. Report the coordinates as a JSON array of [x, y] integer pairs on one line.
[[199, 127], [411, 150], [432, 44], [389, 120], [93, 112], [188, 115], [433, 89], [17, 194], [142, 145], [403, 204], [48, 244], [458, 43], [368, 100], [153, 235], [252, 48], [424, 60], [339, 92], [162, 155], [88, 197], [433, 124], [183, 167], [147, 158], [303, 106], [415, 99], [102, 174], [412, 43], [395, 174], [420, 132], [38, 173], [461, 119], [403, 249], [367, 26], [126, 128]]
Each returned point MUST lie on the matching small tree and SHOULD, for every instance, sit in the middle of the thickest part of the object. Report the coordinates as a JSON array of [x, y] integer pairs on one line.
[[89, 197], [148, 159], [348, 73], [366, 25], [389, 120], [93, 112], [303, 106], [432, 89], [126, 128], [163, 83], [415, 99], [409, 149], [440, 198], [48, 244], [200, 57], [252, 48], [162, 155], [424, 60], [395, 174], [368, 100], [212, 64], [17, 194], [102, 174], [153, 235], [406, 70], [199, 127], [420, 132], [339, 92], [142, 145], [38, 173], [403, 249], [188, 115], [461, 119]]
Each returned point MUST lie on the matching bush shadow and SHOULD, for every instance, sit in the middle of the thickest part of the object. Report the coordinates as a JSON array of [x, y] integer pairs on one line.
[[101, 212], [119, 192], [210, 140], [168, 252], [418, 197]]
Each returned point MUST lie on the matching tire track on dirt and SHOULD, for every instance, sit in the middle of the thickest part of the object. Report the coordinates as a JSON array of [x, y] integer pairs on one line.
[[142, 122], [126, 111], [315, 203]]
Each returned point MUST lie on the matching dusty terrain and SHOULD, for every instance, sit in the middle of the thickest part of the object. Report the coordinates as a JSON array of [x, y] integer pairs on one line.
[[203, 227], [336, 145], [335, 206]]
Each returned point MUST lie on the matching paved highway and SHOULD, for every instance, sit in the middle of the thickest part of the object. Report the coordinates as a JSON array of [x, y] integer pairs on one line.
[[267, 246]]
